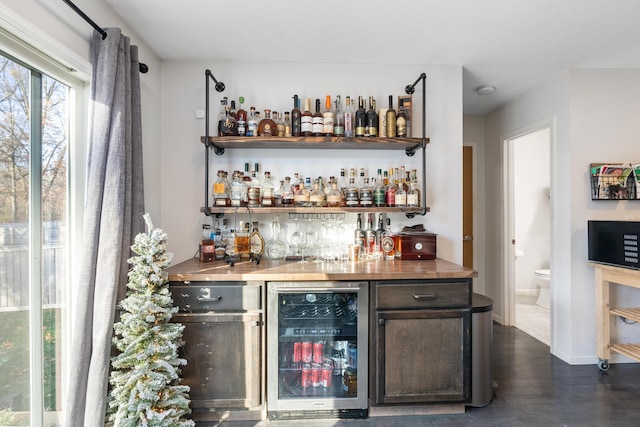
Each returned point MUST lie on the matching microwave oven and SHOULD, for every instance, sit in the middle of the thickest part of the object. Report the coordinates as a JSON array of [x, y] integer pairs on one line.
[[614, 243]]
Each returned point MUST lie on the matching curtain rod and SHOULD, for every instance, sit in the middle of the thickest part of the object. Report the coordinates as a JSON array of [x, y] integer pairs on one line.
[[143, 67]]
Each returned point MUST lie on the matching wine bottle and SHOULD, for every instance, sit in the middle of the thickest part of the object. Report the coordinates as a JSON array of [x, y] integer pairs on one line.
[[295, 117], [360, 119], [391, 119], [317, 121], [372, 119], [401, 123], [306, 120]]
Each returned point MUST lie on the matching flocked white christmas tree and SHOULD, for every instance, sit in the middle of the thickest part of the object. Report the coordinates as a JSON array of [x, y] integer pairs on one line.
[[145, 376]]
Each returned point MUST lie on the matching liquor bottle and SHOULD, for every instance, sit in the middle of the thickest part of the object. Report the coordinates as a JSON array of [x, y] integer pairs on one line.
[[226, 238], [232, 110], [338, 123], [342, 186], [254, 188], [369, 236], [236, 195], [391, 119], [348, 118], [401, 195], [372, 119], [222, 114], [334, 196], [287, 125], [246, 180], [306, 120], [267, 127], [366, 194], [241, 118], [301, 197], [327, 188], [279, 123], [277, 195], [358, 237], [401, 123], [229, 125], [296, 183], [317, 197], [379, 232], [360, 181], [388, 243], [382, 122], [352, 197], [379, 191], [219, 247], [256, 241], [221, 190], [252, 123], [207, 246], [328, 118], [317, 121], [266, 191], [413, 195], [295, 117], [287, 192], [390, 192], [242, 242], [360, 119]]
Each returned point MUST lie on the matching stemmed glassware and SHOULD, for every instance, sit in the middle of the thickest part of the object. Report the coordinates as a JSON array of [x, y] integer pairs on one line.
[[303, 239]]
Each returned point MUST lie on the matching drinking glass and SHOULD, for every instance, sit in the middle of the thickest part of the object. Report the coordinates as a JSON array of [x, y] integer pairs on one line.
[[303, 239]]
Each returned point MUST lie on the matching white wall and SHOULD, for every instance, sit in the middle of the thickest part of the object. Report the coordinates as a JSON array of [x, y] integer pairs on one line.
[[594, 116], [271, 85], [531, 207]]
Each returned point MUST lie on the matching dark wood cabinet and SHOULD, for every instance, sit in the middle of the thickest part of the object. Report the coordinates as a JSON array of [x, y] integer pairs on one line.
[[420, 341]]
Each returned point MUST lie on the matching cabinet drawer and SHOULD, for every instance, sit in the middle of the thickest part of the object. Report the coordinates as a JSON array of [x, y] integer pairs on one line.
[[417, 295], [216, 296]]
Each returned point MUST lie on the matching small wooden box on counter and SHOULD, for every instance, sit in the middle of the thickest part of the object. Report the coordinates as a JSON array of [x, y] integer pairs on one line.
[[417, 245]]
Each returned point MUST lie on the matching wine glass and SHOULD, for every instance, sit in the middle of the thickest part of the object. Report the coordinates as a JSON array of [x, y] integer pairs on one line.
[[303, 239]]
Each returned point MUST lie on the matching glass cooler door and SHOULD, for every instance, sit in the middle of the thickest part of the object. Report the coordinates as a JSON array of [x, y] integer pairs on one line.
[[315, 334]]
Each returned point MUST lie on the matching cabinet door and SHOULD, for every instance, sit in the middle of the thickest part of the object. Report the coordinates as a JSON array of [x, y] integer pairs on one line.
[[422, 356], [223, 360]]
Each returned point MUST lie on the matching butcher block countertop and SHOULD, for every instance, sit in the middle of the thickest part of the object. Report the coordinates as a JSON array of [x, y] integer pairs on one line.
[[272, 270]]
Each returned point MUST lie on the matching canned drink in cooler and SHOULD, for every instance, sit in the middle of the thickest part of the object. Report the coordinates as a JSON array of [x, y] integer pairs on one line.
[[352, 355], [306, 351], [297, 352], [305, 378], [327, 375], [318, 351], [316, 372]]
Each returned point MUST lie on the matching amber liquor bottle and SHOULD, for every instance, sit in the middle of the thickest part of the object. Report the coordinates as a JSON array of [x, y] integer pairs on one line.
[[241, 118], [327, 118], [391, 119], [388, 243], [267, 126], [306, 120]]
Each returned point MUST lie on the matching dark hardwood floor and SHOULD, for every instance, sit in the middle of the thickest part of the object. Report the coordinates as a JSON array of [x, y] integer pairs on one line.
[[534, 389]]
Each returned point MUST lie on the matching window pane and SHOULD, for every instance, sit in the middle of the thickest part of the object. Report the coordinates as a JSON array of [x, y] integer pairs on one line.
[[14, 235], [16, 145]]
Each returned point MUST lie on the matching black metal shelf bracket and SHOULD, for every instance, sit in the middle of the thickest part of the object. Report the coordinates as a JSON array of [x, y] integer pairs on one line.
[[410, 89], [218, 150]]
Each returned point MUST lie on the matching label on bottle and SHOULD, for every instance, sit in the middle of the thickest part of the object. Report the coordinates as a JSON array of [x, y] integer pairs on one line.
[[328, 123], [338, 130], [218, 188], [220, 201], [242, 128], [412, 199], [334, 200], [378, 196], [348, 124], [401, 127], [401, 199], [306, 124], [388, 245], [317, 124], [382, 123]]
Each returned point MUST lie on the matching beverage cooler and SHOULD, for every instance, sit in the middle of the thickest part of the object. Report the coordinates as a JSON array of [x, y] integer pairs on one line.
[[317, 349]]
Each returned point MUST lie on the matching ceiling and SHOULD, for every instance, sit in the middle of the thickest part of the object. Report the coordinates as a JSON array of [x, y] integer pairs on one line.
[[510, 44]]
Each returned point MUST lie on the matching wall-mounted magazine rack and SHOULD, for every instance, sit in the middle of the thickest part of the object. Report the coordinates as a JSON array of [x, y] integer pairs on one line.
[[615, 181]]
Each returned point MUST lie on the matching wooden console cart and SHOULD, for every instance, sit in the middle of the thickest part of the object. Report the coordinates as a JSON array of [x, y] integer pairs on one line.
[[605, 275]]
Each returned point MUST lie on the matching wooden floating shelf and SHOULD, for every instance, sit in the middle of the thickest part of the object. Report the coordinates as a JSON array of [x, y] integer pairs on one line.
[[298, 210], [627, 313], [316, 142]]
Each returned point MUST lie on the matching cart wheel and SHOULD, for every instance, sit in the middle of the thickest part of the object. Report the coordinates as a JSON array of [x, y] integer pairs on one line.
[[603, 365]]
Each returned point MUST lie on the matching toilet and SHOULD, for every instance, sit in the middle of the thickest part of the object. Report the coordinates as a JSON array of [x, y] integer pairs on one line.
[[543, 278]]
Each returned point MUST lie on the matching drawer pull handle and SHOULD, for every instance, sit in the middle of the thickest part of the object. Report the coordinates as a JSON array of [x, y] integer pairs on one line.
[[205, 299], [429, 297]]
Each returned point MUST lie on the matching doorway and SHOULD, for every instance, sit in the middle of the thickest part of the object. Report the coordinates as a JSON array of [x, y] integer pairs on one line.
[[529, 229]]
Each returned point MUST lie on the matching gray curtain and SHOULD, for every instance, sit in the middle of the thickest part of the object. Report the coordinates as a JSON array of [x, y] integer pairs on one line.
[[112, 217]]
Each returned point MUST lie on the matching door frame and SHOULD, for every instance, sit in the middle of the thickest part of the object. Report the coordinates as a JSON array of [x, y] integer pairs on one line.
[[474, 203], [508, 220]]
